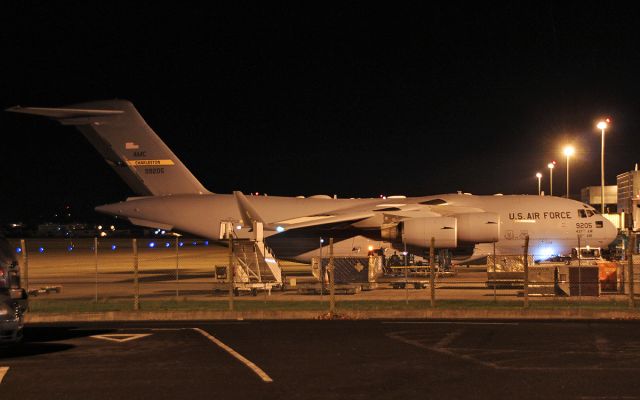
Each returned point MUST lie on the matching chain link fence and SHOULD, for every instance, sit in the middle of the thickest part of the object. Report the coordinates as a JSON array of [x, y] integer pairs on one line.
[[181, 273]]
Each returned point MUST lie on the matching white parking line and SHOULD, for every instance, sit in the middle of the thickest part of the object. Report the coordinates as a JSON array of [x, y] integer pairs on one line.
[[3, 372], [121, 337], [238, 356]]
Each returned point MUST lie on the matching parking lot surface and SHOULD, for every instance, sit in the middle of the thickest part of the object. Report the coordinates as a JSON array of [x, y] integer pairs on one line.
[[324, 360]]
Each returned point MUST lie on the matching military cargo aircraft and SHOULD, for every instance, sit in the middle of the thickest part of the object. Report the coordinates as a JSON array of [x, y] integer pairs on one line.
[[168, 196]]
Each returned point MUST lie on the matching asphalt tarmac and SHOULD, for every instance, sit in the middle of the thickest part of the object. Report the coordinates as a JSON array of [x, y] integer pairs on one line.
[[325, 360]]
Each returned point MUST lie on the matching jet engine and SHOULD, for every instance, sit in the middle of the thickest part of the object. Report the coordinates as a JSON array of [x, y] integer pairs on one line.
[[482, 227], [419, 231]]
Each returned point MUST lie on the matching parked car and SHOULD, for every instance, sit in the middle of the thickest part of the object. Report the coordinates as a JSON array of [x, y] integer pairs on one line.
[[13, 298]]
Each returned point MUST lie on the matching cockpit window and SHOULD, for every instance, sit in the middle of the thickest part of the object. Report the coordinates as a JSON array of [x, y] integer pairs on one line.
[[586, 213]]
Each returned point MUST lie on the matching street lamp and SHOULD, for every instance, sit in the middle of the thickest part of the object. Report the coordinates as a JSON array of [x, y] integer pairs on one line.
[[551, 165], [602, 125], [568, 151], [539, 176]]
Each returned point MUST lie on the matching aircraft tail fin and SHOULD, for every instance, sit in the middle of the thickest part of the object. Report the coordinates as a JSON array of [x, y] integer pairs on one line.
[[128, 145]]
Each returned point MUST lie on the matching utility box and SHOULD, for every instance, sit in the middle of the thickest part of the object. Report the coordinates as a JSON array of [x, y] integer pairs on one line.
[[584, 281], [543, 280], [364, 270], [608, 272]]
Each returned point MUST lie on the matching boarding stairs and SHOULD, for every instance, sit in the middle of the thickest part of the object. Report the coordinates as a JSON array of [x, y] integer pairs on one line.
[[255, 263]]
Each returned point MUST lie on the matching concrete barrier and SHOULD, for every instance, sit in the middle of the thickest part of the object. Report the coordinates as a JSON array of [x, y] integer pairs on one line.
[[445, 314]]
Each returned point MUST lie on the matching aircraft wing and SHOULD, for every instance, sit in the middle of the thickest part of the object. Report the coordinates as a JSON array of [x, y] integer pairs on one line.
[[249, 215], [370, 215], [451, 210], [329, 219]]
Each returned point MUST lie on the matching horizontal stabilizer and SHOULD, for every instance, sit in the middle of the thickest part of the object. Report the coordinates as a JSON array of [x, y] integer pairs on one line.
[[63, 113]]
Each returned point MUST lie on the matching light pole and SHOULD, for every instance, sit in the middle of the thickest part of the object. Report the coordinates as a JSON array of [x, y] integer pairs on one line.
[[551, 165], [602, 125], [539, 176], [568, 151]]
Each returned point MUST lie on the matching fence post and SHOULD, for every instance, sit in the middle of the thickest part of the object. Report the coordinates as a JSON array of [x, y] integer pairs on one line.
[[321, 271], [95, 254], [230, 273], [406, 284], [526, 271], [495, 295], [136, 285], [432, 264], [25, 264], [332, 280], [631, 247], [177, 269], [265, 292], [579, 271]]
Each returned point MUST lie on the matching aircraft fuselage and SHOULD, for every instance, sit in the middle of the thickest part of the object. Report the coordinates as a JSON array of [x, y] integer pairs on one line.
[[553, 224]]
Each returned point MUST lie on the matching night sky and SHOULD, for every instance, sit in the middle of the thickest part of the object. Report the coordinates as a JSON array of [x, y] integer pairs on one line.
[[352, 100]]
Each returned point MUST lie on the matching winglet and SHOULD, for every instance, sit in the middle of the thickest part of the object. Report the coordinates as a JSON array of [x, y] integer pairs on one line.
[[248, 214]]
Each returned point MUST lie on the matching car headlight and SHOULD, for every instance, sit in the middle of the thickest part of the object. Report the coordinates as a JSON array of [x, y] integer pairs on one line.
[[5, 310]]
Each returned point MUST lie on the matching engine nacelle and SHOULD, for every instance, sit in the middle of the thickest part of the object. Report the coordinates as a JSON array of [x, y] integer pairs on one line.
[[482, 227], [419, 231]]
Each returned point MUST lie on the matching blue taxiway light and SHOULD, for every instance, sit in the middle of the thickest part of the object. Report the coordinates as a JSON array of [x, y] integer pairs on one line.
[[41, 249], [113, 247], [167, 244], [181, 244], [152, 245], [18, 249]]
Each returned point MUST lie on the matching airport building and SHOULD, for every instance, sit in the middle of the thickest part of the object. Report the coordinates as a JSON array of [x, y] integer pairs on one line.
[[629, 198], [592, 195]]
